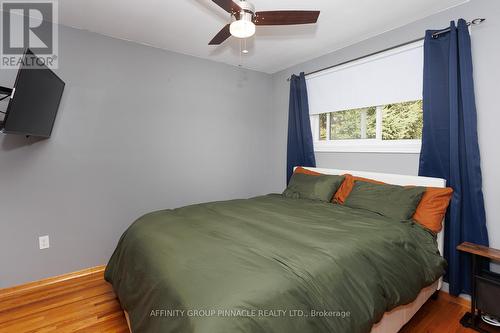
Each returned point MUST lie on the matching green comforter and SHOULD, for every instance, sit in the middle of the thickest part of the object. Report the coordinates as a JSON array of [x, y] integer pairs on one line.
[[269, 264]]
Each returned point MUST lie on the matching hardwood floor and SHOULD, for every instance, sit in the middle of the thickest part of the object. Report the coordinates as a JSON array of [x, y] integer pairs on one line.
[[83, 304], [442, 315], [88, 304]]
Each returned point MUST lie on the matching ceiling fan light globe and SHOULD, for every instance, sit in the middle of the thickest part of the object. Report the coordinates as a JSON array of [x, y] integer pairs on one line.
[[242, 29]]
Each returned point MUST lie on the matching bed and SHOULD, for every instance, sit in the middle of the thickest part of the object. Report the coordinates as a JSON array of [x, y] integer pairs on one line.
[[273, 264]]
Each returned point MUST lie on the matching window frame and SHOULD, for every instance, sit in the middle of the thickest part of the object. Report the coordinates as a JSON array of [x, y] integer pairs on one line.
[[377, 145]]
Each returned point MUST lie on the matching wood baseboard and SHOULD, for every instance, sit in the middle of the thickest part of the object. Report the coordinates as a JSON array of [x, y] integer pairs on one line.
[[48, 282], [10, 291], [83, 301]]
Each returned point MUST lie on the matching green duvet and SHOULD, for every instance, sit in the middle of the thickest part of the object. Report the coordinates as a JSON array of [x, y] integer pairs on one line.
[[269, 264]]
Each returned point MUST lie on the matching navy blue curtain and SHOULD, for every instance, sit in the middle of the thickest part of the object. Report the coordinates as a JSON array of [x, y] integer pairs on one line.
[[300, 150], [450, 146]]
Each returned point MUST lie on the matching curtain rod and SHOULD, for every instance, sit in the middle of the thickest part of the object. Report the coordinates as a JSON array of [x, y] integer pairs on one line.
[[476, 21]]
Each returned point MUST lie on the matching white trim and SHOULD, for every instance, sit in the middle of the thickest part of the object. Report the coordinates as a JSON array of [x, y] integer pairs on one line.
[[315, 127], [379, 119], [368, 146]]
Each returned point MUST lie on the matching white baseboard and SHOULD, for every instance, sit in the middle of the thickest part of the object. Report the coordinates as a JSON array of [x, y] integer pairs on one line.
[[446, 288]]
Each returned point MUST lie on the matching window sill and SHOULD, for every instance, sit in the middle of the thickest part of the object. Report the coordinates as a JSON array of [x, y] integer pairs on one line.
[[368, 146]]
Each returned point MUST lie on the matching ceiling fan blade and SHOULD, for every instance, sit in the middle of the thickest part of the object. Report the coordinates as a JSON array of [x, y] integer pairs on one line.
[[286, 17], [228, 5], [221, 36]]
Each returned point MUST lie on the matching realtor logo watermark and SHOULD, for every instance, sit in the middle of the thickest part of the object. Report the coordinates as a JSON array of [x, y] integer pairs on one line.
[[29, 25]]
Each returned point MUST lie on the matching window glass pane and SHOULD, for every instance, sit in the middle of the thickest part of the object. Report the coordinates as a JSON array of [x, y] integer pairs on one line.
[[402, 121], [353, 124], [322, 126]]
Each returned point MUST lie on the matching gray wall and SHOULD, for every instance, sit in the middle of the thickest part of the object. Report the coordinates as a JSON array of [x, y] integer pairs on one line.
[[139, 129], [486, 49]]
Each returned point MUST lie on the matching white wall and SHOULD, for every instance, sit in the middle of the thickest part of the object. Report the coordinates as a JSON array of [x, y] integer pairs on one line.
[[486, 49], [139, 129]]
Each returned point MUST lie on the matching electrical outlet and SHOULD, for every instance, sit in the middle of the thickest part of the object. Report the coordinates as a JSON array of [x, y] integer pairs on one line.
[[43, 241]]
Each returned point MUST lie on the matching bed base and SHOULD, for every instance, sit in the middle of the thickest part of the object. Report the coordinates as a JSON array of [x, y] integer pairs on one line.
[[395, 319], [392, 321]]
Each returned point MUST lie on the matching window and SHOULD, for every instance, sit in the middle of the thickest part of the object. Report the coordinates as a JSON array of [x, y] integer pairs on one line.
[[371, 105], [349, 124]]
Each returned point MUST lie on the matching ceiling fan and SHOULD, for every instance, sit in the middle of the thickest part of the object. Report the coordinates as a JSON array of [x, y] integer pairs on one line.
[[246, 18]]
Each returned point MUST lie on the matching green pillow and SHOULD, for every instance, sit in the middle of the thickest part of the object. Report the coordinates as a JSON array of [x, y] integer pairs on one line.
[[393, 201], [312, 187]]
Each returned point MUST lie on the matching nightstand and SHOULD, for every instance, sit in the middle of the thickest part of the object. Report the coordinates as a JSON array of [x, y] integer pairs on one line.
[[485, 291]]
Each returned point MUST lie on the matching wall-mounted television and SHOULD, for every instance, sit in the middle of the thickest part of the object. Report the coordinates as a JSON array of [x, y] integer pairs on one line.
[[34, 99]]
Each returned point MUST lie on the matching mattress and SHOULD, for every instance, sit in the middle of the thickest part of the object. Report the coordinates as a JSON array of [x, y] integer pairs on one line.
[[269, 264]]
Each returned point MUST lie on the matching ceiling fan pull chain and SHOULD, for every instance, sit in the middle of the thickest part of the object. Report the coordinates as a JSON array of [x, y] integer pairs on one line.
[[245, 49], [241, 60]]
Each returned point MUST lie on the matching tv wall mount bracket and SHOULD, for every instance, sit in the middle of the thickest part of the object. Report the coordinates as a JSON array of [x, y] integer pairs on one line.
[[6, 91]]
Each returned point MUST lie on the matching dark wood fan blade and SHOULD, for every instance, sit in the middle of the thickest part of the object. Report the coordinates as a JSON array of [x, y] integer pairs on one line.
[[228, 5], [221, 36], [286, 17]]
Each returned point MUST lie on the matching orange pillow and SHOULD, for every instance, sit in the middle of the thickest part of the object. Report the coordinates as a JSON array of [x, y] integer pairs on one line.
[[307, 172], [430, 211], [432, 208], [347, 186]]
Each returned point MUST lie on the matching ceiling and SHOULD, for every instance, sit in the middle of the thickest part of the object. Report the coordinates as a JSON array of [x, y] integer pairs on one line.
[[186, 26]]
